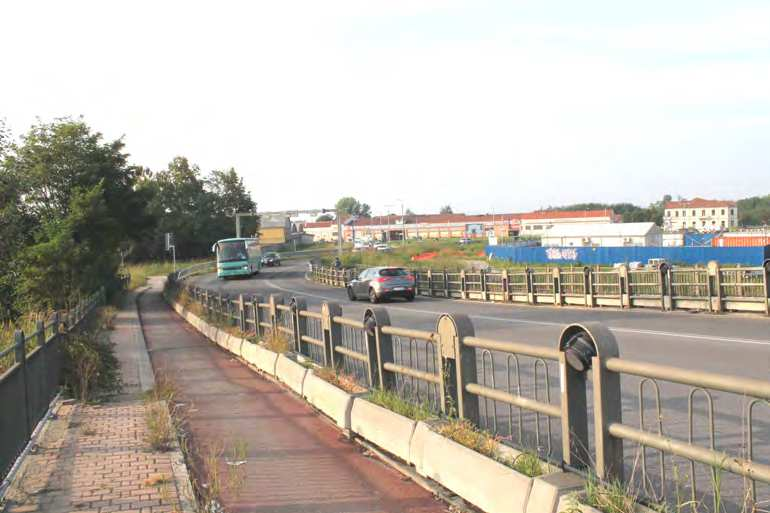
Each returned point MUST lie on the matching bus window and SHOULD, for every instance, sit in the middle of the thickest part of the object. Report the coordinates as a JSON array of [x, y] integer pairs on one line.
[[231, 251]]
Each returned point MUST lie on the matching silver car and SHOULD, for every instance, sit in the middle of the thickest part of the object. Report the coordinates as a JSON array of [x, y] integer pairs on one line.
[[378, 283]]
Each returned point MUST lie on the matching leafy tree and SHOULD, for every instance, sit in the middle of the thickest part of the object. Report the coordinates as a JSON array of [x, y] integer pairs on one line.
[[446, 209], [754, 211], [79, 202], [324, 217], [352, 207], [409, 212]]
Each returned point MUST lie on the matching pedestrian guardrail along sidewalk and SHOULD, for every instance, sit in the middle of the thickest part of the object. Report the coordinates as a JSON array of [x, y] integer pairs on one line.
[[712, 288], [32, 375], [562, 402]]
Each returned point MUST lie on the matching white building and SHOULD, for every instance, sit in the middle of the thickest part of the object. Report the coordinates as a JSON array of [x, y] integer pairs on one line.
[[606, 234], [537, 223], [700, 214]]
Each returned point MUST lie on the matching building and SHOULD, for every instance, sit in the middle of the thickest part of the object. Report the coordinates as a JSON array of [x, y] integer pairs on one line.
[[432, 226], [603, 235], [536, 223], [322, 231], [700, 214], [274, 229]]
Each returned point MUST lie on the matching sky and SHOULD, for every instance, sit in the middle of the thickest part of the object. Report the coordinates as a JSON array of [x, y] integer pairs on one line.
[[488, 106]]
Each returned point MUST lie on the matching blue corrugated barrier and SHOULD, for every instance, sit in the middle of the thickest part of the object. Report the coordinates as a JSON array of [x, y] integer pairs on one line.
[[611, 255]]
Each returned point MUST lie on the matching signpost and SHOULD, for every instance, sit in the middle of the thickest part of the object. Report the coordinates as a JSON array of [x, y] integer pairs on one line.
[[170, 247]]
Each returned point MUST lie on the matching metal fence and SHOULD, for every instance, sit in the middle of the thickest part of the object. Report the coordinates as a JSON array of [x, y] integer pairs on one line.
[[712, 288], [547, 400], [33, 377]]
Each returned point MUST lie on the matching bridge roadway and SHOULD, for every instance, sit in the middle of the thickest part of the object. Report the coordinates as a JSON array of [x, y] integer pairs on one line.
[[736, 344], [295, 462]]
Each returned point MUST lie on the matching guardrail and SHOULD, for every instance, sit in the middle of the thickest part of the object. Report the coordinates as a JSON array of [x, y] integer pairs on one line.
[[32, 376], [712, 288], [203, 267], [536, 398]]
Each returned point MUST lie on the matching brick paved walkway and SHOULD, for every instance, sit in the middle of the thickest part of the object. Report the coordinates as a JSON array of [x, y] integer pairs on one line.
[[94, 458]]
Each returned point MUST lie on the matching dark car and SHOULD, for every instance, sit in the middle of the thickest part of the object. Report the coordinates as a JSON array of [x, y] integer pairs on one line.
[[378, 283], [271, 259]]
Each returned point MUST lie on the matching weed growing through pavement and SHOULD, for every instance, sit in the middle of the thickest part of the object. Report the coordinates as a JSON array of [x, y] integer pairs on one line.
[[339, 379]]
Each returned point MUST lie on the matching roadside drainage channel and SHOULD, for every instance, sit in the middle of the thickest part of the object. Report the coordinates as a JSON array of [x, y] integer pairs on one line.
[[477, 479]]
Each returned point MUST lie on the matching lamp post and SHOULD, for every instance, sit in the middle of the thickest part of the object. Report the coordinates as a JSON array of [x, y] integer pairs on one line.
[[403, 226]]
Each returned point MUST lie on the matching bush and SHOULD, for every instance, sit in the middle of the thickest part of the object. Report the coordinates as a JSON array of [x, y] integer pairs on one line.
[[90, 367]]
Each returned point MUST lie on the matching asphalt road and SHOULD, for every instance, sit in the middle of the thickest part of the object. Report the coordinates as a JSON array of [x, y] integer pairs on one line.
[[736, 344]]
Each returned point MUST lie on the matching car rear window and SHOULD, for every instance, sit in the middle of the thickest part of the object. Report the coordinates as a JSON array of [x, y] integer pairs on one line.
[[393, 272]]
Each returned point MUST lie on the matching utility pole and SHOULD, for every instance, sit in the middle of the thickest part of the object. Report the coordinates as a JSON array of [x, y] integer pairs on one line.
[[339, 228], [403, 226], [238, 216]]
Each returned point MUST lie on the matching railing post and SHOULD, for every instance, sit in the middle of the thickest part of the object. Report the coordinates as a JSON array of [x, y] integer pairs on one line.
[[40, 333], [446, 284], [463, 285], [587, 347], [241, 313], [715, 292], [484, 291], [667, 288], [558, 297], [372, 319], [504, 279], [274, 300], [625, 299], [766, 282], [530, 286], [588, 286], [332, 331], [375, 319], [299, 324], [255, 301], [21, 358], [457, 365], [430, 283]]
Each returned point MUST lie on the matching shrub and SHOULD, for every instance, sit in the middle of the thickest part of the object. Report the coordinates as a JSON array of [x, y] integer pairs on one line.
[[277, 342], [90, 366]]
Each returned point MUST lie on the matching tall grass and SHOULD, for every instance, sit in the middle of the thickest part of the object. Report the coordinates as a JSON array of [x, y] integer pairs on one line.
[[392, 401]]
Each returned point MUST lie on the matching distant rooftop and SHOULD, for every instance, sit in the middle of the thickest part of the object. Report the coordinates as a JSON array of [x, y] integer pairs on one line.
[[699, 203]]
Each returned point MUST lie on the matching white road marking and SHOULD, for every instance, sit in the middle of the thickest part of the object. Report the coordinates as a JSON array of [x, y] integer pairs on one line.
[[710, 338]]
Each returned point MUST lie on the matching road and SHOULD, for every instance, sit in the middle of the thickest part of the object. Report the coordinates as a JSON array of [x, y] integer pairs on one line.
[[289, 459], [735, 344]]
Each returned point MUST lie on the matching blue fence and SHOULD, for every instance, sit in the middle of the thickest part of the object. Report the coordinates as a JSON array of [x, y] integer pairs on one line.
[[751, 256]]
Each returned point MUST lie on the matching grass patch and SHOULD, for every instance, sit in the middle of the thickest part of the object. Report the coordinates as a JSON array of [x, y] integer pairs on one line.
[[277, 342], [450, 255], [465, 433], [611, 497], [141, 271], [392, 401], [339, 379], [161, 427]]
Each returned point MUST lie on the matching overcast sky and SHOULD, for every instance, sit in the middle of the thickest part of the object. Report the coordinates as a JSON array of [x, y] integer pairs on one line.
[[485, 105]]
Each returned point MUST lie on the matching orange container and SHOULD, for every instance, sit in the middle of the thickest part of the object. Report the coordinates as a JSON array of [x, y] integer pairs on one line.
[[740, 241]]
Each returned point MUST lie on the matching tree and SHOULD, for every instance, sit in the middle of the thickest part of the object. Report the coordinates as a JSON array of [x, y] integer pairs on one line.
[[80, 196], [349, 206], [754, 211], [324, 217], [409, 212], [446, 209]]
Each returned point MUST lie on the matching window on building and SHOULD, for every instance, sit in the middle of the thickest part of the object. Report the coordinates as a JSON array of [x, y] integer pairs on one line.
[[713, 212], [693, 223], [676, 213], [703, 223], [723, 223], [668, 213], [723, 211], [537, 227], [732, 211], [703, 212], [693, 213]]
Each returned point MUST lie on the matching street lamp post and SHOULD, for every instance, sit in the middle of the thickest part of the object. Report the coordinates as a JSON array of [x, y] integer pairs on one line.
[[403, 226]]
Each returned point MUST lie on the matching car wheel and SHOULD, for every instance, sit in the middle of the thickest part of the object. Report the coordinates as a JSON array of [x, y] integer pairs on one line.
[[373, 296], [351, 294]]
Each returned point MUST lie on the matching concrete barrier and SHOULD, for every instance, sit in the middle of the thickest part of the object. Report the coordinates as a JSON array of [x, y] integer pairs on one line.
[[290, 373], [548, 491], [249, 352], [485, 483], [333, 401], [388, 430]]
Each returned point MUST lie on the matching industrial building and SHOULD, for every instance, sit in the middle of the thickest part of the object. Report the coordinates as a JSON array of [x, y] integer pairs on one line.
[[603, 235]]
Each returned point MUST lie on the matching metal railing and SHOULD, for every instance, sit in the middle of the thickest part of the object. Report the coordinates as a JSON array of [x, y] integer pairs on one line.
[[711, 288], [541, 399], [32, 376]]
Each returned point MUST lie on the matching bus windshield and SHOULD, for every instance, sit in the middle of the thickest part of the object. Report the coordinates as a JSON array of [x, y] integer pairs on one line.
[[234, 251]]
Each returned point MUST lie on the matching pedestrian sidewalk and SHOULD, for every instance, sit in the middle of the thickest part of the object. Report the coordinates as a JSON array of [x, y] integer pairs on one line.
[[94, 458]]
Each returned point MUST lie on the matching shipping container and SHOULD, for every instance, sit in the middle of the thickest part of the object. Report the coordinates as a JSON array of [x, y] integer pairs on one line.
[[727, 241]]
